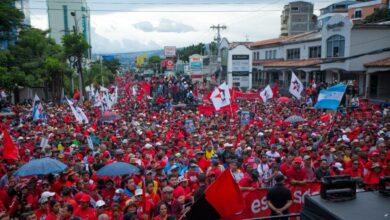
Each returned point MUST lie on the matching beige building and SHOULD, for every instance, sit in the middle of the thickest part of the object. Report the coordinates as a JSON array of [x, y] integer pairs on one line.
[[297, 17]]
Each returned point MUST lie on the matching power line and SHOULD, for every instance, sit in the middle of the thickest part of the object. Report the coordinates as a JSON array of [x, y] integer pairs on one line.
[[163, 11], [170, 3]]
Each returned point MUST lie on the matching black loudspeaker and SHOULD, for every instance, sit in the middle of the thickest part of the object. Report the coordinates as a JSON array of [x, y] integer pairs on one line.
[[338, 188], [384, 185]]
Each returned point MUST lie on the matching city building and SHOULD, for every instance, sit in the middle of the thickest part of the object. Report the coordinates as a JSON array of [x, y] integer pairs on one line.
[[358, 12], [340, 52], [338, 8], [297, 17], [64, 14], [22, 5]]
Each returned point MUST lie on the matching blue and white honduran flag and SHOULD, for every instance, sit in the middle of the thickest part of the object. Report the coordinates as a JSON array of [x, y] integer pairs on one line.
[[37, 109], [330, 98]]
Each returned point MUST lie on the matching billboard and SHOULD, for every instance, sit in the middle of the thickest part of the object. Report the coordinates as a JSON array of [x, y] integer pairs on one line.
[[240, 70], [196, 64], [169, 51], [140, 60], [170, 64]]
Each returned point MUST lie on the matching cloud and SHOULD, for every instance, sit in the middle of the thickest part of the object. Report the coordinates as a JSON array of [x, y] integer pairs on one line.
[[172, 26], [165, 25], [104, 45], [145, 26]]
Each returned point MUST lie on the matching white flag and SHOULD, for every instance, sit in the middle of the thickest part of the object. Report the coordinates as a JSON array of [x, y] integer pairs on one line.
[[37, 109], [78, 113], [296, 86], [220, 96], [266, 93]]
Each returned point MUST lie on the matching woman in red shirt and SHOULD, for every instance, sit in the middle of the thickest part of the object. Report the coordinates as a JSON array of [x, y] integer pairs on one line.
[[371, 179], [163, 212]]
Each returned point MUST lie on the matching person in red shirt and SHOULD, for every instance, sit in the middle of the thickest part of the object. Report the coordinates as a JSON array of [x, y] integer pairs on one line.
[[84, 211], [54, 210], [287, 164], [43, 211], [109, 191], [296, 174], [150, 194], [250, 181], [162, 212], [202, 162], [371, 179], [355, 171], [66, 212]]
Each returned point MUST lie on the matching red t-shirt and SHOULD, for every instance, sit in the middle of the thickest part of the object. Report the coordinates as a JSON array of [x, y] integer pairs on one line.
[[298, 175], [86, 214], [41, 214]]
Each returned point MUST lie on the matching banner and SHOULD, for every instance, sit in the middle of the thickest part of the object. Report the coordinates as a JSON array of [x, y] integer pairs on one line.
[[256, 205], [296, 86], [189, 126], [245, 118], [246, 95], [220, 97]]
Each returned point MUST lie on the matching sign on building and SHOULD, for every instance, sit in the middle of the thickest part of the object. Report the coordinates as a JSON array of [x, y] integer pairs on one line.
[[196, 64], [240, 67], [169, 51]]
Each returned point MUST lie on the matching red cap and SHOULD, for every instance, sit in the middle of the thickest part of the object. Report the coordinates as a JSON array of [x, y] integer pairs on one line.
[[375, 153], [297, 160], [365, 148], [85, 198], [106, 154], [302, 149]]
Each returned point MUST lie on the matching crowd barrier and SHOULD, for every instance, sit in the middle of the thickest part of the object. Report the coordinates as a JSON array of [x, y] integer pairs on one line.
[[256, 205]]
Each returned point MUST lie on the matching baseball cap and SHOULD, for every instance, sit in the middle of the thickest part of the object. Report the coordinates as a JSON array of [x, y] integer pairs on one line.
[[47, 194], [100, 203], [339, 166], [85, 198], [306, 157], [138, 192]]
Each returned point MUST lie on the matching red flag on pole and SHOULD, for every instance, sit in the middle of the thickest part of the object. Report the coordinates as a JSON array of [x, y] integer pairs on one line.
[[10, 151], [272, 139], [275, 90]]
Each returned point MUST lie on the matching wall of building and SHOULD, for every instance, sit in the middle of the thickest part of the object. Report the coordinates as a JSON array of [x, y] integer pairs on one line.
[[367, 40], [304, 48], [61, 20]]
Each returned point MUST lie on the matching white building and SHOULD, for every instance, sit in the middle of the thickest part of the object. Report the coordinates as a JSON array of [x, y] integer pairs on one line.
[[24, 6], [340, 51], [64, 14]]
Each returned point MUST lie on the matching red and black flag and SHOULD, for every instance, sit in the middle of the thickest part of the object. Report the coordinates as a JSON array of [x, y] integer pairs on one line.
[[221, 199]]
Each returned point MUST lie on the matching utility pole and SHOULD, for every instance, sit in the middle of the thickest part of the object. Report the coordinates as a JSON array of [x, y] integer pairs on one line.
[[78, 60], [218, 28]]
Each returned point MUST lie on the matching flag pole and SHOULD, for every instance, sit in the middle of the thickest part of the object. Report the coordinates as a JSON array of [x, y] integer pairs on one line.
[[231, 108]]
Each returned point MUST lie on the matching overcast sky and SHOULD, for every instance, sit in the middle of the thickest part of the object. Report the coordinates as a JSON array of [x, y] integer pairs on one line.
[[130, 25]]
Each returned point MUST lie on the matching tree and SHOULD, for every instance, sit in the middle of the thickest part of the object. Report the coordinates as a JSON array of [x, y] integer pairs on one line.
[[75, 47], [154, 63], [113, 65], [35, 61], [10, 18], [96, 73], [380, 14], [186, 52]]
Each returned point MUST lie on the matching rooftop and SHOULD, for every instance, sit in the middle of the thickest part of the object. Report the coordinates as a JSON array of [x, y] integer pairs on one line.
[[379, 63]]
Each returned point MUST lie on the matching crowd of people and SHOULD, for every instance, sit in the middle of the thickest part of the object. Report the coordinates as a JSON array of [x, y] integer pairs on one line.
[[177, 165]]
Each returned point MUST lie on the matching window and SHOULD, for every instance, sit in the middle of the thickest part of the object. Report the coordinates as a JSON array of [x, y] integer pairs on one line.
[[293, 54], [315, 52], [274, 54], [358, 13], [335, 46]]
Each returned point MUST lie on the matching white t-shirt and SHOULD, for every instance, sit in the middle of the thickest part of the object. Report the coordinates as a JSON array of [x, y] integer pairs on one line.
[[273, 155]]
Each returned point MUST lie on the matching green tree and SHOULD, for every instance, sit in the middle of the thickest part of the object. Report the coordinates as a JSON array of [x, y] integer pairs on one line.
[[10, 18], [186, 52], [96, 73], [381, 14], [113, 65], [75, 47], [154, 63]]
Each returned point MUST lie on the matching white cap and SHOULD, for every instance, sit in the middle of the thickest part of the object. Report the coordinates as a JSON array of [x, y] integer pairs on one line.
[[339, 166], [100, 203], [148, 146], [47, 194], [138, 192]]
